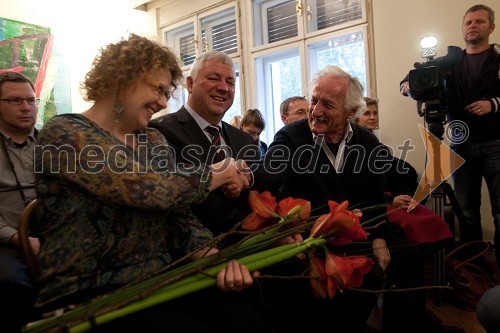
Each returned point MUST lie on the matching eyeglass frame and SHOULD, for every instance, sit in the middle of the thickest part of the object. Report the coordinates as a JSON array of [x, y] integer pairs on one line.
[[159, 88], [19, 101], [298, 112]]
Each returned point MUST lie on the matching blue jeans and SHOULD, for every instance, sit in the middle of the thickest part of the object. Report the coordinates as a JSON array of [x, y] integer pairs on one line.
[[481, 160], [488, 311]]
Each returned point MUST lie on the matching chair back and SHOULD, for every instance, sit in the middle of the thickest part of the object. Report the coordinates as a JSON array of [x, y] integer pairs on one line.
[[27, 217]]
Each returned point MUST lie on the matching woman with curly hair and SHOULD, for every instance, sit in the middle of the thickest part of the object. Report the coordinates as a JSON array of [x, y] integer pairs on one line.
[[115, 207]]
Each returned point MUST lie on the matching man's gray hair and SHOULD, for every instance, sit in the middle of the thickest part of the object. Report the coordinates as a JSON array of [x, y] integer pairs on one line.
[[354, 95], [217, 56]]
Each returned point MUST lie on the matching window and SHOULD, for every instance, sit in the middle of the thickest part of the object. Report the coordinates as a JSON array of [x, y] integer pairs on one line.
[[218, 30], [346, 51], [295, 39], [235, 109], [274, 21], [285, 44], [281, 73], [322, 14], [182, 40]]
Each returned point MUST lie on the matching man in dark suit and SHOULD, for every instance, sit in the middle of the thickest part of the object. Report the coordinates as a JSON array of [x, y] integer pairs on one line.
[[322, 158], [326, 158], [211, 84]]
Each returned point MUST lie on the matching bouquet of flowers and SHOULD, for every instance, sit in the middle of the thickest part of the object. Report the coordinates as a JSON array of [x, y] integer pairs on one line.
[[268, 223]]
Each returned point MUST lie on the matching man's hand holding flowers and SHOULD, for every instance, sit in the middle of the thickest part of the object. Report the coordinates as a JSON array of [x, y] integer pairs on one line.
[[381, 253]]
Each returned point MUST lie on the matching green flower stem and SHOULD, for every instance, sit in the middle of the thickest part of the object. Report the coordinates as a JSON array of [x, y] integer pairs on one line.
[[201, 281], [261, 236], [253, 262], [149, 285], [212, 271]]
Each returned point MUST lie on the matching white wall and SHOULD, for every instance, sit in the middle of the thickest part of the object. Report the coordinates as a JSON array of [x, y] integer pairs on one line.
[[82, 27]]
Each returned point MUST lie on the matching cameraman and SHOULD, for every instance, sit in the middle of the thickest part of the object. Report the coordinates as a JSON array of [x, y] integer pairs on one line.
[[475, 101]]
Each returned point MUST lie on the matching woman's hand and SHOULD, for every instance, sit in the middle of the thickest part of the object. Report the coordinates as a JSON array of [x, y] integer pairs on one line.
[[234, 277], [381, 253]]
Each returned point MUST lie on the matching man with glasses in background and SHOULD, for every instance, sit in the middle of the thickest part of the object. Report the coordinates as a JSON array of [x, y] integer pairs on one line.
[[18, 112], [293, 108]]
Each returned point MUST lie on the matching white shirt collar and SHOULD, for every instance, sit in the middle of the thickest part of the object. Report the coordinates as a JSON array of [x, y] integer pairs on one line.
[[203, 123], [199, 119], [337, 161]]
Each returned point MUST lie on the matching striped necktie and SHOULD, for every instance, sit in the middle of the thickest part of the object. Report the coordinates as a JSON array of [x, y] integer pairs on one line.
[[214, 131]]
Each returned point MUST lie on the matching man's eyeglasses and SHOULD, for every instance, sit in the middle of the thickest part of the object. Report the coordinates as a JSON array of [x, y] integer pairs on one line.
[[19, 101], [298, 113]]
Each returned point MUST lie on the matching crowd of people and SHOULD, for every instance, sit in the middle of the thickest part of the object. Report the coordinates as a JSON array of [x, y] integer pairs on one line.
[[111, 215]]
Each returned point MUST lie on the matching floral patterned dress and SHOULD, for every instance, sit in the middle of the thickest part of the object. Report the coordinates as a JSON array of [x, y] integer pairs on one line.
[[110, 215]]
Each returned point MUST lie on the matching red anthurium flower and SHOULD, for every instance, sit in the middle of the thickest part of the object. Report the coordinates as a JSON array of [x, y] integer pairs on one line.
[[318, 275], [255, 222], [325, 223], [331, 287], [336, 207], [346, 229], [263, 203], [347, 271], [321, 225], [287, 208], [264, 211], [362, 266]]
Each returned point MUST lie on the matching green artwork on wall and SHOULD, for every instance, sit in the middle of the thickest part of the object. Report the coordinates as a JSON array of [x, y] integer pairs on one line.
[[32, 50]]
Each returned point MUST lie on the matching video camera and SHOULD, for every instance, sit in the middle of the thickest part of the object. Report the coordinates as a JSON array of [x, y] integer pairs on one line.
[[428, 84]]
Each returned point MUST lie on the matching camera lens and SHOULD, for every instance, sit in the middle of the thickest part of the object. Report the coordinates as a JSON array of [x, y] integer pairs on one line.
[[425, 78]]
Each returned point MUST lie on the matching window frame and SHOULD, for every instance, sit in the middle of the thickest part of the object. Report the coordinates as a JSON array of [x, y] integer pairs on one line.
[[196, 19], [247, 52]]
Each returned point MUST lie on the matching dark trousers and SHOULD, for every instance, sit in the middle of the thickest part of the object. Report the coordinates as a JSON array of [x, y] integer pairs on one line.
[[403, 311], [17, 291], [482, 161], [292, 307]]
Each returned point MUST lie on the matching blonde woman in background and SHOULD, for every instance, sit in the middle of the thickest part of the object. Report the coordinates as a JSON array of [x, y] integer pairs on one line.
[[235, 121], [253, 123]]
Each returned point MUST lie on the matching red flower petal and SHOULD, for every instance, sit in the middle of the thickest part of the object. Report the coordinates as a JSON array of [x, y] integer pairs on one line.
[[255, 222], [332, 288], [321, 225], [346, 228], [286, 205], [332, 269], [347, 271], [338, 208], [362, 265], [263, 204], [318, 276]]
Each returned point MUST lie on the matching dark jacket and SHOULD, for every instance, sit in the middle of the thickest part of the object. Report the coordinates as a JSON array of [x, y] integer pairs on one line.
[[308, 174], [218, 212], [486, 87]]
